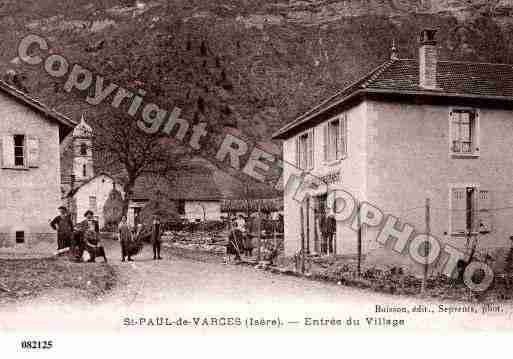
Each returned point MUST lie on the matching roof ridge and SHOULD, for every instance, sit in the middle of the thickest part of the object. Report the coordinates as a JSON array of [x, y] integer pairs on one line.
[[465, 62], [378, 72]]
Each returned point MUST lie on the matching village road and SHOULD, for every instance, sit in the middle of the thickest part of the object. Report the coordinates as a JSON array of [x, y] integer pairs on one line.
[[177, 288]]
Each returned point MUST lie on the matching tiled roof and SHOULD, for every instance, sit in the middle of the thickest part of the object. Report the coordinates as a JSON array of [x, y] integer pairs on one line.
[[461, 79], [195, 184]]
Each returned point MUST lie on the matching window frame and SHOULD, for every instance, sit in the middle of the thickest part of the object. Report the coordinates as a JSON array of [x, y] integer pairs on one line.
[[24, 150], [477, 189], [331, 155], [475, 131], [309, 155]]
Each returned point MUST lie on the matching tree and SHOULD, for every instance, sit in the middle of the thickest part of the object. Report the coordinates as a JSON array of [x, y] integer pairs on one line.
[[127, 150], [113, 208]]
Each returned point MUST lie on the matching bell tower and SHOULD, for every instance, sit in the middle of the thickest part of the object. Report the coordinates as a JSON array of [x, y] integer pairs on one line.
[[82, 152]]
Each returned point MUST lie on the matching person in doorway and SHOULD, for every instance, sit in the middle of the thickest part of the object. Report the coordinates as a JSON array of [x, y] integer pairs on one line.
[[156, 234], [125, 237], [331, 230], [63, 224]]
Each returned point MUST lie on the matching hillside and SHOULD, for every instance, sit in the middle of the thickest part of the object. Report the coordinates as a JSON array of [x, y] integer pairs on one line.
[[243, 66]]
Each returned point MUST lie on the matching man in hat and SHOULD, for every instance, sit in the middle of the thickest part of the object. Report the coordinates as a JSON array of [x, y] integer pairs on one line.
[[156, 233], [64, 227]]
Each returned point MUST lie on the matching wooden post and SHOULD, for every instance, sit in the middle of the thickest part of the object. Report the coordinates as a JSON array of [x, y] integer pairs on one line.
[[316, 232], [259, 230], [359, 239], [428, 230], [302, 259], [307, 225]]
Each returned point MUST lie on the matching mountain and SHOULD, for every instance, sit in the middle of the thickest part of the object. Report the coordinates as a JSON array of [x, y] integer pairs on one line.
[[242, 66]]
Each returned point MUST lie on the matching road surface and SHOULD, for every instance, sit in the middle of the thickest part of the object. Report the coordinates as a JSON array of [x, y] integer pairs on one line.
[[179, 289]]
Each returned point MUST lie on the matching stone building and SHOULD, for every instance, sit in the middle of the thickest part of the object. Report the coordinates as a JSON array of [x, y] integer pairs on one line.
[[87, 190], [409, 130], [30, 135]]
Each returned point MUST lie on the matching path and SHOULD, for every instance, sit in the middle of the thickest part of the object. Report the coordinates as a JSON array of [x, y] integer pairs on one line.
[[175, 288]]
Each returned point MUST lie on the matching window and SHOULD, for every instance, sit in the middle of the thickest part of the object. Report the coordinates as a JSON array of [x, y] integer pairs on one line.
[[304, 150], [464, 131], [92, 203], [83, 149], [20, 237], [335, 139], [19, 150], [181, 207], [84, 171], [470, 210]]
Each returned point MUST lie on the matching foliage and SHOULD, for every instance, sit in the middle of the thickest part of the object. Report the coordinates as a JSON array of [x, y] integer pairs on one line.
[[113, 208]]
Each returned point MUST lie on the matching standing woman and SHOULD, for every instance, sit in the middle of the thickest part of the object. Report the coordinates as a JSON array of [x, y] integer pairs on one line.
[[125, 236], [156, 233]]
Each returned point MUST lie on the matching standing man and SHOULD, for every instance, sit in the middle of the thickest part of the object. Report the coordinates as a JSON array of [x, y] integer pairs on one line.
[[64, 227], [156, 233], [125, 236], [331, 230]]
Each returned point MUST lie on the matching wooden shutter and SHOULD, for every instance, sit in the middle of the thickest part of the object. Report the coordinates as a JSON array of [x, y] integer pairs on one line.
[[296, 155], [458, 210], [485, 211], [310, 148], [33, 151], [343, 135], [325, 141], [8, 151]]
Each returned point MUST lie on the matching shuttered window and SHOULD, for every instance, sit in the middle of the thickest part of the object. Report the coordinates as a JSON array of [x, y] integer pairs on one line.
[[485, 211], [464, 130], [305, 150], [335, 139], [20, 151], [470, 210], [458, 211]]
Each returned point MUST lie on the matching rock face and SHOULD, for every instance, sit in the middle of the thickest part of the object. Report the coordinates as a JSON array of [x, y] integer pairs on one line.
[[251, 65]]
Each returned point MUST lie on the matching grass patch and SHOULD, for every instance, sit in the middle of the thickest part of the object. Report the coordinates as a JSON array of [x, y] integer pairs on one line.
[[28, 278]]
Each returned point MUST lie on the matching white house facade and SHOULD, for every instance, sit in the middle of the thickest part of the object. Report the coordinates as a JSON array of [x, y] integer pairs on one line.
[[30, 135], [411, 129]]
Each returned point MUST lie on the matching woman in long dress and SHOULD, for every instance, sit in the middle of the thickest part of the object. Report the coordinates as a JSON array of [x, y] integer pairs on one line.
[[125, 237]]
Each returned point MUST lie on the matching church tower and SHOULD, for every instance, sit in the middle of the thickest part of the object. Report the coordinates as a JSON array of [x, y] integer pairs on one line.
[[82, 153]]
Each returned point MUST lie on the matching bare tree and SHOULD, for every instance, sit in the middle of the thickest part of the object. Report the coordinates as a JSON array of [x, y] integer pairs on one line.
[[127, 150]]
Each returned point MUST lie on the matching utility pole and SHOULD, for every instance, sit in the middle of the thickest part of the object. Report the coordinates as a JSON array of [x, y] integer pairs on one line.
[[428, 249], [359, 234], [259, 230], [302, 258]]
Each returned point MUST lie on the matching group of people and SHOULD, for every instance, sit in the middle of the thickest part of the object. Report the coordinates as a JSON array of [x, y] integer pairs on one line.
[[131, 240], [83, 239], [240, 240]]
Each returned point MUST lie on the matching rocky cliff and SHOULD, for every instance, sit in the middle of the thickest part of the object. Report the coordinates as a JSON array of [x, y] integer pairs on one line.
[[248, 65]]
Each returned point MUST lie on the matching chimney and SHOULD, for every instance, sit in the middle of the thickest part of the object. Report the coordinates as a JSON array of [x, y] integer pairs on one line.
[[428, 58]]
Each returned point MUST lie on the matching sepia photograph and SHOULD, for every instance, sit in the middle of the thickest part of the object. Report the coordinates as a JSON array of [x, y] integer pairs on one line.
[[254, 167]]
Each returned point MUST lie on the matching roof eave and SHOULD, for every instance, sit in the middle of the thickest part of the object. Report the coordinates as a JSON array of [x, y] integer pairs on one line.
[[66, 124], [282, 133]]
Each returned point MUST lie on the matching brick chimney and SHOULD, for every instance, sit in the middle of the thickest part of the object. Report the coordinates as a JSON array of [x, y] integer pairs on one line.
[[428, 59]]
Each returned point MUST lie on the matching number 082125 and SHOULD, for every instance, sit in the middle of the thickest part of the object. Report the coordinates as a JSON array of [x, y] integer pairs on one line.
[[36, 344]]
